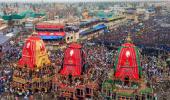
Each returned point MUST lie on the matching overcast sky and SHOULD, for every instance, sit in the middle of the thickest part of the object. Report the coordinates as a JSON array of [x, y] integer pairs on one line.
[[72, 0]]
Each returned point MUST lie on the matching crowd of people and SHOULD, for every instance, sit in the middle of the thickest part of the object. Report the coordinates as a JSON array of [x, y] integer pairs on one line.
[[13, 54], [101, 52], [148, 33], [153, 41], [26, 74]]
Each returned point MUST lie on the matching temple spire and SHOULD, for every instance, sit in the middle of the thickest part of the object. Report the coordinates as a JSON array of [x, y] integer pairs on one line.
[[128, 39], [34, 33]]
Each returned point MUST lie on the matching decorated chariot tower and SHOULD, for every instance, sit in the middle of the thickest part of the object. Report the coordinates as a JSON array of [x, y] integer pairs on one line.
[[33, 72], [73, 82], [127, 67], [126, 81]]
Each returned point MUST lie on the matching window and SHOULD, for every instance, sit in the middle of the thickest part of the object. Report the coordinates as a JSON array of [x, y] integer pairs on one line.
[[143, 96], [114, 96], [108, 93], [68, 38], [88, 90], [71, 37], [79, 92], [136, 97]]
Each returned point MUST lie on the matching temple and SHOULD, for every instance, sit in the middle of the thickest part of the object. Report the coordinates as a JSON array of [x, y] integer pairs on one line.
[[33, 72]]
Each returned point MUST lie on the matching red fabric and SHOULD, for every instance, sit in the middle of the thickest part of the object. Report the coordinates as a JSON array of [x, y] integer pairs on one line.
[[72, 60], [46, 33], [49, 26], [29, 52], [127, 63]]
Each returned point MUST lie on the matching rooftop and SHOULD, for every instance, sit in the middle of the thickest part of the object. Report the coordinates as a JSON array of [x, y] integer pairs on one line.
[[50, 23]]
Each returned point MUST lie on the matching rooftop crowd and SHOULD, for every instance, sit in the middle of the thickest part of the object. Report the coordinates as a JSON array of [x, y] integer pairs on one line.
[[147, 33]]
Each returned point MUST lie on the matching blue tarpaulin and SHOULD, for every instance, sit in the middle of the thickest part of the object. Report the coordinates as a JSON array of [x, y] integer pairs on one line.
[[86, 32], [164, 47], [51, 37], [101, 26], [89, 22], [95, 28]]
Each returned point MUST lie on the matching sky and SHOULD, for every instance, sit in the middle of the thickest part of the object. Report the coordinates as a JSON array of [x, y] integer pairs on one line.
[[73, 0]]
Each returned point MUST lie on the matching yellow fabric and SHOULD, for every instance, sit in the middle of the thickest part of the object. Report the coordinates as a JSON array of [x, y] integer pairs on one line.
[[41, 56]]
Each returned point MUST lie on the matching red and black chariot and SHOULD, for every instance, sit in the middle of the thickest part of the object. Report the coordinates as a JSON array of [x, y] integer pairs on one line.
[[72, 80]]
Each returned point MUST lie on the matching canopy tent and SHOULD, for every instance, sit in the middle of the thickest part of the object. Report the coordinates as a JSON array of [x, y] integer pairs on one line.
[[49, 26], [27, 13], [73, 60], [12, 16], [51, 35], [46, 33], [50, 31], [30, 13], [127, 63], [99, 27]]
